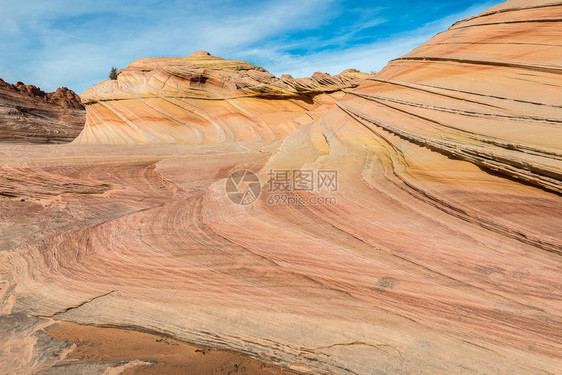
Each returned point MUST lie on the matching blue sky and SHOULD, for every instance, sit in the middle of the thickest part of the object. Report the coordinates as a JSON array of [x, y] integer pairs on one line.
[[74, 43]]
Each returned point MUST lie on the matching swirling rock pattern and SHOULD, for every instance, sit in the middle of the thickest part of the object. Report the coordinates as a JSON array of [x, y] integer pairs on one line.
[[203, 99], [440, 254], [30, 115]]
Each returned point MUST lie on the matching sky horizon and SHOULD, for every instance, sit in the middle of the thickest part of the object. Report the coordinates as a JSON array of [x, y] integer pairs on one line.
[[63, 43]]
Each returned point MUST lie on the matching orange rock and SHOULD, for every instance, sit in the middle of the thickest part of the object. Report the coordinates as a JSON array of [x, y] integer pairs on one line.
[[437, 253], [202, 99]]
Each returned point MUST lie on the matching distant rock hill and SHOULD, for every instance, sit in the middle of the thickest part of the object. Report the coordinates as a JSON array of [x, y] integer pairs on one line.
[[30, 115], [203, 99], [63, 96]]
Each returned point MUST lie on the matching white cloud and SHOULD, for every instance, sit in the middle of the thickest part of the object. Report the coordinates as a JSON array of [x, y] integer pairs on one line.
[[367, 57]]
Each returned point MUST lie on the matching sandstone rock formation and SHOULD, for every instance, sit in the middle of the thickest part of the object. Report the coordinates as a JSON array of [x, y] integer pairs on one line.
[[203, 99], [440, 252], [30, 115]]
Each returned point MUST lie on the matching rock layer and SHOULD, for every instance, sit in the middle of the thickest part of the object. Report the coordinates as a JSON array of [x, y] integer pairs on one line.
[[30, 115], [203, 99], [486, 91], [437, 253]]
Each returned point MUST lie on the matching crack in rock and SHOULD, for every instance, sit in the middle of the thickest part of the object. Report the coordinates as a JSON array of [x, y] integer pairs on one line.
[[76, 306]]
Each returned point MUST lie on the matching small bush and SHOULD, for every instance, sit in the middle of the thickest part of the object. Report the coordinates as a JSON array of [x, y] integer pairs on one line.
[[113, 73]]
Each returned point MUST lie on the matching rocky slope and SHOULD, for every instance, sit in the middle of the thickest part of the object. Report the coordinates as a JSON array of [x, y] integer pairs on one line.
[[203, 99], [437, 251], [30, 115]]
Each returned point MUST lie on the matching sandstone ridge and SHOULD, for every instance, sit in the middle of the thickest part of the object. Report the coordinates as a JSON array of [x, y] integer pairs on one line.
[[202, 99]]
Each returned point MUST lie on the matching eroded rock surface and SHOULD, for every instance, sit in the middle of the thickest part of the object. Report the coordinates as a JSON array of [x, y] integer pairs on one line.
[[439, 255]]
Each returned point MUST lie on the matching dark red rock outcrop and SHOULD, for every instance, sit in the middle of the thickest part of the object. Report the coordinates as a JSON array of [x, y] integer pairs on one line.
[[30, 115], [63, 96]]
